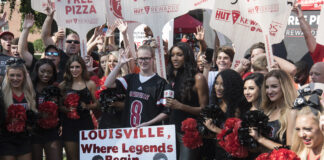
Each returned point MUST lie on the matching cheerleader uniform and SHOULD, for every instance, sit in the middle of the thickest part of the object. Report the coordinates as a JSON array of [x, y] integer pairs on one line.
[[71, 127], [15, 144], [41, 135]]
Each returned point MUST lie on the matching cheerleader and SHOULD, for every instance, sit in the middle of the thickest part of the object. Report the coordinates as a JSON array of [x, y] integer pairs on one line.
[[19, 101]]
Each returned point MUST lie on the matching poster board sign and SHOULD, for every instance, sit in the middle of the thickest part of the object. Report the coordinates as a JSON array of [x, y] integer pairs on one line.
[[320, 35], [39, 6], [81, 16], [155, 14], [311, 4], [145, 143]]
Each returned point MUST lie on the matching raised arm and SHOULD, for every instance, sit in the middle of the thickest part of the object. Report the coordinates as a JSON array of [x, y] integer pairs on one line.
[[306, 28], [47, 25], [3, 19], [22, 43], [122, 59], [286, 66], [200, 36]]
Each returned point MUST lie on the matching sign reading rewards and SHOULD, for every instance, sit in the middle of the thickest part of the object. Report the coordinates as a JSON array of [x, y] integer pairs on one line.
[[145, 143]]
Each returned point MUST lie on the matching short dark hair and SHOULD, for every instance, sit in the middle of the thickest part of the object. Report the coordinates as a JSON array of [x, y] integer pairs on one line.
[[227, 50], [256, 46], [15, 41]]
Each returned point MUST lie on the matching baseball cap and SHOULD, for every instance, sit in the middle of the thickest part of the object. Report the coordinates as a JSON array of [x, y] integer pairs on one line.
[[6, 32]]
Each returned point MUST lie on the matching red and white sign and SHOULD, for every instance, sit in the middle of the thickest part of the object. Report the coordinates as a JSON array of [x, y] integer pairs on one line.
[[320, 30], [311, 4], [154, 142], [155, 14], [81, 16], [269, 14], [197, 4]]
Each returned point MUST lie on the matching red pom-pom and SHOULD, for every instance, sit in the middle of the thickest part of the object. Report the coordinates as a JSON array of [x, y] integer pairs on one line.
[[50, 115], [16, 118], [191, 137], [263, 156], [96, 80], [72, 102], [97, 94], [228, 138], [283, 154]]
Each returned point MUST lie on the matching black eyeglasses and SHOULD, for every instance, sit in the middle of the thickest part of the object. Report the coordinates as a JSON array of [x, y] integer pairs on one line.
[[51, 53], [146, 59], [74, 41]]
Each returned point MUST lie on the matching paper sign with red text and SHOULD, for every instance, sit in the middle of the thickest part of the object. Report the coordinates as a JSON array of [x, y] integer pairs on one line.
[[265, 12], [320, 30], [81, 16], [228, 19], [311, 4], [197, 4], [145, 143], [155, 14]]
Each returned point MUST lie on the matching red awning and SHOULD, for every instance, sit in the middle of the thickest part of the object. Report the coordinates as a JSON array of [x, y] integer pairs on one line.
[[186, 24]]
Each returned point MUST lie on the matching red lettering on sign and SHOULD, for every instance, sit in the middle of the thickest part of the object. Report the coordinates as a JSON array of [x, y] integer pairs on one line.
[[80, 9]]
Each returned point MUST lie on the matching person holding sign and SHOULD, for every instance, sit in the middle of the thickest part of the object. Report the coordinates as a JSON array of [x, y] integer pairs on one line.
[[144, 91], [76, 81], [72, 42], [190, 90]]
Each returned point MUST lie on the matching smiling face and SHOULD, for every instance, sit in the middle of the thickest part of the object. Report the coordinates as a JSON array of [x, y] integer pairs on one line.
[[45, 73], [308, 131], [112, 62], [251, 91], [15, 77], [223, 61], [200, 63], [75, 69], [103, 61], [219, 87], [273, 89], [177, 58], [145, 60]]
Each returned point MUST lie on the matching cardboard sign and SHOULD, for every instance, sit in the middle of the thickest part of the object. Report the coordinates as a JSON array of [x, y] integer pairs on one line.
[[40, 6], [320, 36], [145, 143], [311, 4], [197, 4], [265, 12], [155, 14], [81, 16]]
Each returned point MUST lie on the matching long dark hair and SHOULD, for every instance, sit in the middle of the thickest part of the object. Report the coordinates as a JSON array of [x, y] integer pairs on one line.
[[68, 78], [258, 79], [39, 63], [232, 94], [187, 71]]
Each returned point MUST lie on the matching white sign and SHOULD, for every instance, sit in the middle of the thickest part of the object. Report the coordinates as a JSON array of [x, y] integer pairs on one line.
[[228, 19], [81, 16], [320, 30], [145, 143], [266, 12], [155, 14]]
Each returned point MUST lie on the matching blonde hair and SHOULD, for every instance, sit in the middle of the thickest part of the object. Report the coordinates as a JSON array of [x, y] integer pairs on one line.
[[124, 70], [289, 95], [27, 88], [298, 146], [260, 63]]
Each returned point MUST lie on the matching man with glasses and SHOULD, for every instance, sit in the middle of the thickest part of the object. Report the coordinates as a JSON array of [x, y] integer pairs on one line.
[[144, 91]]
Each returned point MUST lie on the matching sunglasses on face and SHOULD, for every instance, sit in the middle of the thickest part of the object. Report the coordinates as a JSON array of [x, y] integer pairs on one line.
[[51, 53], [74, 41], [142, 59]]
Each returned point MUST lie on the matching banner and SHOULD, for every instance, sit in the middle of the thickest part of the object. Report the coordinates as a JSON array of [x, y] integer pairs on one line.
[[81, 16], [311, 4], [145, 143], [320, 36]]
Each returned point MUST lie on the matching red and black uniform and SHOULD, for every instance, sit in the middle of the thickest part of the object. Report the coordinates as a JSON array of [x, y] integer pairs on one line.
[[15, 144], [143, 100]]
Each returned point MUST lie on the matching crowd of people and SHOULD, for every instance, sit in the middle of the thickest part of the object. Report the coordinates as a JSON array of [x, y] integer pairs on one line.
[[46, 102]]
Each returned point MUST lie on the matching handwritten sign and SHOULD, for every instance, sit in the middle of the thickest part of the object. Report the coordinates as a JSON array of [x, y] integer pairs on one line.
[[154, 142]]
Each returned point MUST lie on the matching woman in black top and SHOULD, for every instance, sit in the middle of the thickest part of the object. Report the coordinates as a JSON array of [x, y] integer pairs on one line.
[[44, 76], [19, 96], [191, 92], [76, 80]]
